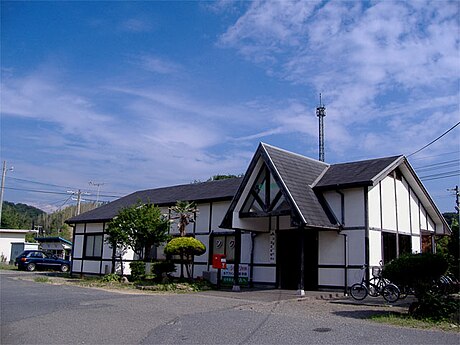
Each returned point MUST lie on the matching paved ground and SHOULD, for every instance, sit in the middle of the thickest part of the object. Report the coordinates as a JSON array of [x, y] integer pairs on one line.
[[34, 313]]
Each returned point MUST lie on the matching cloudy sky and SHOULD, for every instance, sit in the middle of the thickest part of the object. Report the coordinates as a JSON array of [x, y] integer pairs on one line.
[[138, 95]]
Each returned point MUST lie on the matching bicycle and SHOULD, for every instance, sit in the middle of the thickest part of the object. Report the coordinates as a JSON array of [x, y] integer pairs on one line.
[[378, 286]]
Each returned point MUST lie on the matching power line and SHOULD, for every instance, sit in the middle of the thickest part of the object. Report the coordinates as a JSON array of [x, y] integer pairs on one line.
[[36, 182], [436, 164], [433, 141], [52, 192], [438, 155], [439, 177], [443, 173], [66, 187]]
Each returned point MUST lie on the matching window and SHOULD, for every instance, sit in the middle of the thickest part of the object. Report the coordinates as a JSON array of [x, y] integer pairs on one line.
[[405, 244], [265, 197], [93, 246], [223, 244], [389, 246]]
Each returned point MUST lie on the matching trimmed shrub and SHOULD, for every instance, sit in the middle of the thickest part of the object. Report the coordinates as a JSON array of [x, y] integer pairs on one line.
[[162, 267], [137, 270], [418, 271], [187, 246], [421, 272]]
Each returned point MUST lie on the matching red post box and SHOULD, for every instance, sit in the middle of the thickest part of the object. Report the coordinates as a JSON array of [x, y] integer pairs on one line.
[[219, 261]]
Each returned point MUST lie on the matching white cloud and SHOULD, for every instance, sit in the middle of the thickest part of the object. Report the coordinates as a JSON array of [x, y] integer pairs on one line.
[[371, 61]]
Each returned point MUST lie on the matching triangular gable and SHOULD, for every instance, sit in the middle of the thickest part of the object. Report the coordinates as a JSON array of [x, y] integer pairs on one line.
[[424, 197], [401, 163], [289, 176], [370, 173]]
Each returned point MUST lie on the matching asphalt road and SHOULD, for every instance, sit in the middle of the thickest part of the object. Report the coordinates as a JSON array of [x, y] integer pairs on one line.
[[40, 313]]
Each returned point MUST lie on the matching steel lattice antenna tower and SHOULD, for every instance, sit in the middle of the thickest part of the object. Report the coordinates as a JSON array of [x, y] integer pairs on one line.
[[321, 113]]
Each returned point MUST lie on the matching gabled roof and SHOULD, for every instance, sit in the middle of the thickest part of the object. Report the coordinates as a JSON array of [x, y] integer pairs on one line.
[[297, 173], [166, 196], [356, 174], [294, 174]]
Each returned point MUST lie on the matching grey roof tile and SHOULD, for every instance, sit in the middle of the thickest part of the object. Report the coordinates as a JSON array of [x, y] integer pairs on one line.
[[166, 196], [351, 174], [298, 173]]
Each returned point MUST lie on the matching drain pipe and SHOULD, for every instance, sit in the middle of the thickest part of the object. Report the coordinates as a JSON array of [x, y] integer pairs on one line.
[[345, 241], [345, 258]]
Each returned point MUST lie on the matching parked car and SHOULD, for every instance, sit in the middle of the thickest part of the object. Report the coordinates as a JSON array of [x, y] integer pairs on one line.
[[32, 260]]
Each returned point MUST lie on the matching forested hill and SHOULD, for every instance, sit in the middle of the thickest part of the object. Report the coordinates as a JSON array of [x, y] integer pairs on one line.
[[19, 216]]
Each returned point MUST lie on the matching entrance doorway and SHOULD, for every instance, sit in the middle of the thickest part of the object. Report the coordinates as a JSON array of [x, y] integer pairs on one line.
[[288, 259]]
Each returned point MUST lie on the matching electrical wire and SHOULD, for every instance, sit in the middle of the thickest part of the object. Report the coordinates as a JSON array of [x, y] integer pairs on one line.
[[438, 178], [52, 192], [433, 141], [36, 182], [438, 155], [423, 167]]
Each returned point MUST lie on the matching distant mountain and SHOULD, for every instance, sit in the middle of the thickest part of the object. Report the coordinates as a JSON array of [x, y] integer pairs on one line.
[[22, 216], [19, 216]]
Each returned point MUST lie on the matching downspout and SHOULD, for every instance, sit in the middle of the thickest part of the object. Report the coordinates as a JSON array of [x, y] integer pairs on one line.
[[345, 258], [366, 226], [301, 290], [345, 241], [251, 281]]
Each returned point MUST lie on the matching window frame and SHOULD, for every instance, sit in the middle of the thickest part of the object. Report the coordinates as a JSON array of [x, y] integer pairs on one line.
[[91, 254]]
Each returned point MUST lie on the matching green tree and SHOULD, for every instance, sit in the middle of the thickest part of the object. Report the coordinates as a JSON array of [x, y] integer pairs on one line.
[[186, 248], [138, 227], [223, 177]]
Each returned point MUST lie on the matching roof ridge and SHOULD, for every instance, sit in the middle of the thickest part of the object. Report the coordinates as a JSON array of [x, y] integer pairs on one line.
[[294, 154], [185, 184], [367, 160]]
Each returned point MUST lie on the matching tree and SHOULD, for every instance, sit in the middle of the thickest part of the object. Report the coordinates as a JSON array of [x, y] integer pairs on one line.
[[186, 248], [223, 177], [185, 213], [138, 227]]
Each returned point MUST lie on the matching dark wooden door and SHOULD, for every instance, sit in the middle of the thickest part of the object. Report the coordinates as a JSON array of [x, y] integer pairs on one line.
[[289, 246]]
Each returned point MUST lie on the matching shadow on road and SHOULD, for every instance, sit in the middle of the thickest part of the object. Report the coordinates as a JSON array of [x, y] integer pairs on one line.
[[365, 314]]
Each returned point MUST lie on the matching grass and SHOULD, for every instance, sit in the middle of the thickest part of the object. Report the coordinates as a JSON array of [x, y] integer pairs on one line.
[[404, 320], [41, 280], [5, 266]]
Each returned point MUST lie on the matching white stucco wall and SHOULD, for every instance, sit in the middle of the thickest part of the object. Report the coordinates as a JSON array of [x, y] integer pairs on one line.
[[388, 203], [375, 220], [354, 207]]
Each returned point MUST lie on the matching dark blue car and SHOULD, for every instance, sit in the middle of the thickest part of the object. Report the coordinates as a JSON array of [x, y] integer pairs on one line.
[[32, 260]]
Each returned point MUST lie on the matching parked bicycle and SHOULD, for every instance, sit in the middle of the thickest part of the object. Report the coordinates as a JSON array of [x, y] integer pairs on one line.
[[374, 287]]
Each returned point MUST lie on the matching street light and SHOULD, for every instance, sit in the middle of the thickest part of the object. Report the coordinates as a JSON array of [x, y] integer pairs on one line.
[[2, 188]]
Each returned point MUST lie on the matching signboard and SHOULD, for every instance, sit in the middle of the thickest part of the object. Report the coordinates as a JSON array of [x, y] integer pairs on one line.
[[227, 275]]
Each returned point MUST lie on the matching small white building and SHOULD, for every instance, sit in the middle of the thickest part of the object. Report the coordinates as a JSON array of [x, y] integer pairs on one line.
[[13, 242], [292, 222], [55, 245]]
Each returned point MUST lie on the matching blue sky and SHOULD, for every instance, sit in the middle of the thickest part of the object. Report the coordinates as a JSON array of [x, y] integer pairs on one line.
[[138, 95]]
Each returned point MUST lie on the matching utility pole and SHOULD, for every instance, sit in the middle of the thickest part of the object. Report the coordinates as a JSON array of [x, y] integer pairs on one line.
[[457, 200], [2, 188], [78, 199], [98, 185]]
